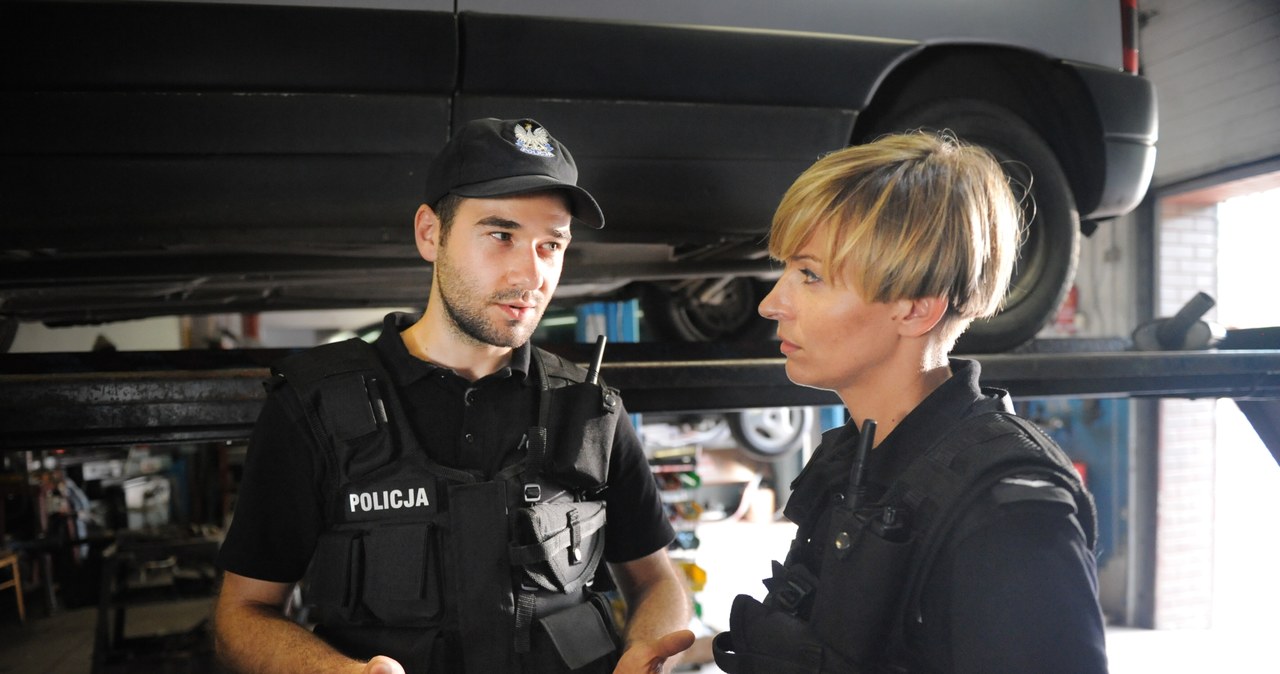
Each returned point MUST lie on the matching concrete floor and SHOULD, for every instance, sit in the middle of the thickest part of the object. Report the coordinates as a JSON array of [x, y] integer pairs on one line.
[[63, 643], [736, 556]]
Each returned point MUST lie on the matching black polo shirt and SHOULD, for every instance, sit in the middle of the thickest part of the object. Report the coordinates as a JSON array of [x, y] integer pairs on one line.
[[462, 424]]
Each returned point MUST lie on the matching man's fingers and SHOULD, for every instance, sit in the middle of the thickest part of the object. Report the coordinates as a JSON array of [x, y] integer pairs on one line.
[[381, 664], [649, 656], [675, 642]]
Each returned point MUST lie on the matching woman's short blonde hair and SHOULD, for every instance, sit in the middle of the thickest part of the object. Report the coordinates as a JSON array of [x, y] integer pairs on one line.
[[908, 216]]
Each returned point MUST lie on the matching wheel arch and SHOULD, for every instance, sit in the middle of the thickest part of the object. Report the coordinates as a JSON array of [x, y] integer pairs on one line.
[[1045, 93]]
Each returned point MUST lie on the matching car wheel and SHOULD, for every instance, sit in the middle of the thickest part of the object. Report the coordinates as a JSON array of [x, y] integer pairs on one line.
[[706, 310], [770, 433], [1047, 260]]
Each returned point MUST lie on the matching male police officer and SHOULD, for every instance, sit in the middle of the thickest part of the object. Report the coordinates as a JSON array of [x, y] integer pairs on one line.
[[445, 489]]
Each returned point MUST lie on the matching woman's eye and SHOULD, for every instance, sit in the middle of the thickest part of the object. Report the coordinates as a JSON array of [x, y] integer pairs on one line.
[[809, 276]]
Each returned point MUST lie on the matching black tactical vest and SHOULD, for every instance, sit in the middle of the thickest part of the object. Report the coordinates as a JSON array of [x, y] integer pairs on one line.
[[432, 565], [855, 612]]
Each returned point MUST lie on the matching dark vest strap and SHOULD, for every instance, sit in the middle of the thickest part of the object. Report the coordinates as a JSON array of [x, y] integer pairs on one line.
[[536, 437], [942, 487]]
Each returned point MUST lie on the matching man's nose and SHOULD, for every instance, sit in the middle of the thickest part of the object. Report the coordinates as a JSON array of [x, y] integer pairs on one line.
[[525, 271]]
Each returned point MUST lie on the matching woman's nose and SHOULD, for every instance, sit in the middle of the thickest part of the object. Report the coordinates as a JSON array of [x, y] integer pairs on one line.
[[771, 306]]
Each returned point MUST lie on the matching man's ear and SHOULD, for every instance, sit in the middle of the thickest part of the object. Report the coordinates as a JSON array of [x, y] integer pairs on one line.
[[426, 232], [920, 315]]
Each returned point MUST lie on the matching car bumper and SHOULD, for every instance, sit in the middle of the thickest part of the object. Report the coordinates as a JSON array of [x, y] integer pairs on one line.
[[1126, 107]]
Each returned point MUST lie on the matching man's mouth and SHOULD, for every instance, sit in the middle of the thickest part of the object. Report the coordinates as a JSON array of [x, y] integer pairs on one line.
[[518, 312]]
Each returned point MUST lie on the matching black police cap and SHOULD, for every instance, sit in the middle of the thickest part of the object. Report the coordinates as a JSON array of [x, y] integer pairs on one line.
[[505, 157]]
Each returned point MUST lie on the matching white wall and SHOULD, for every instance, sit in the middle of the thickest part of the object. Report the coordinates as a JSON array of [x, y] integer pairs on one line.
[[291, 329], [151, 334], [1106, 280], [1216, 68], [281, 329]]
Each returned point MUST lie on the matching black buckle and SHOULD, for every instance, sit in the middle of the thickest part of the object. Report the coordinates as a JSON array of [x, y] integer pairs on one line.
[[789, 587], [791, 594]]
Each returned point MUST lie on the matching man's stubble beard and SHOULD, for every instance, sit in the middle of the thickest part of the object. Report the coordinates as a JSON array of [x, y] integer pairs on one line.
[[466, 315]]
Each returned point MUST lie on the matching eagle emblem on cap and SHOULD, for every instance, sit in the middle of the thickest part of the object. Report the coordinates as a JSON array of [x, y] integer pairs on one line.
[[533, 140]]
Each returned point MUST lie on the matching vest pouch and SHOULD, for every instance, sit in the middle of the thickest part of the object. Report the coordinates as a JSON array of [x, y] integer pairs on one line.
[[333, 579], [864, 564], [352, 407], [559, 545], [583, 420], [581, 639], [402, 573], [764, 640]]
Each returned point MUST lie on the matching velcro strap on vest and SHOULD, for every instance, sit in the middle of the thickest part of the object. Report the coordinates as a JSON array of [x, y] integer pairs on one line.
[[522, 555], [1018, 489], [525, 602]]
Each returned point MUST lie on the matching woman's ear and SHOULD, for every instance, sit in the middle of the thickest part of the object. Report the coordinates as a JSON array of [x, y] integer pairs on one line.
[[920, 315], [426, 232]]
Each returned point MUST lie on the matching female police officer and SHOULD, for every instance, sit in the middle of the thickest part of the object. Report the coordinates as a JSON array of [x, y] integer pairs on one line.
[[945, 534]]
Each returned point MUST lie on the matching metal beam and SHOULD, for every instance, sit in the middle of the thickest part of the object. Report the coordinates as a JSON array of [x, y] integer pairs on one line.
[[66, 401]]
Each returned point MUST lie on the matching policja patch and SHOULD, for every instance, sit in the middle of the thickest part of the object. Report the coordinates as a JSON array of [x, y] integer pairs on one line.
[[377, 502]]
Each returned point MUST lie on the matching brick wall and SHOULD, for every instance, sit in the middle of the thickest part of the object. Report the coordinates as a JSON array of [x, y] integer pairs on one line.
[[1186, 264]]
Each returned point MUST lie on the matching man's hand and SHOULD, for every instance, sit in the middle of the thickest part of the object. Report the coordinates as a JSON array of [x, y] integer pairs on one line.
[[381, 664], [648, 656], [254, 636]]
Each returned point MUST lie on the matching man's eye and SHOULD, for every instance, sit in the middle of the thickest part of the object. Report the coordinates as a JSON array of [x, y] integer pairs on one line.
[[501, 235], [552, 246]]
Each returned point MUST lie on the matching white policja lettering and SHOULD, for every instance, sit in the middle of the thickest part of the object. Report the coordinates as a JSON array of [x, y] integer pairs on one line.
[[393, 499]]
